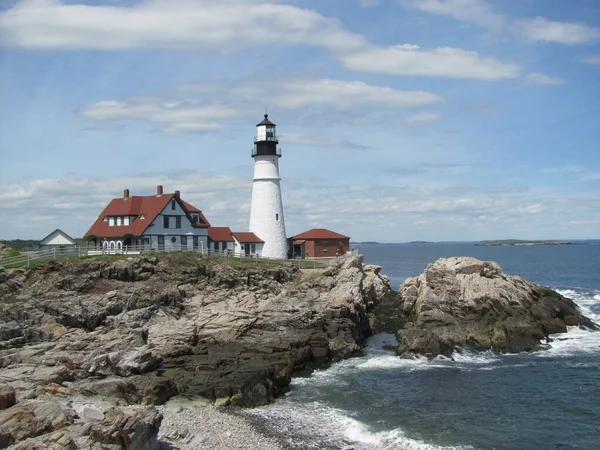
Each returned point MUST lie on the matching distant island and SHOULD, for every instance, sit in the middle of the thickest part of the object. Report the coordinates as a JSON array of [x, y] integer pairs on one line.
[[522, 242]]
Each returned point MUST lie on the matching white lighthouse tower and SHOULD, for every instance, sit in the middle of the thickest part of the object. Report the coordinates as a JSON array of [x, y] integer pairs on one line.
[[266, 210]]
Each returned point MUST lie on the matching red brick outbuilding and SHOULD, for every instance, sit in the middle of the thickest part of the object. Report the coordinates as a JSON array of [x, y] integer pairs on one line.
[[319, 243]]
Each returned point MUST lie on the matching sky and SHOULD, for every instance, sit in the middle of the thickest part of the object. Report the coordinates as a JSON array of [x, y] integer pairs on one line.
[[399, 120]]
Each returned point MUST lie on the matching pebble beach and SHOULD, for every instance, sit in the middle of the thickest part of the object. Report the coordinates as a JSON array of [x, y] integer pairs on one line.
[[191, 425]]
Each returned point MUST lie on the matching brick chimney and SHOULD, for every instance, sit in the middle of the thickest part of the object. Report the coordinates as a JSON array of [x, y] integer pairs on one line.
[[159, 190], [126, 194], [177, 194]]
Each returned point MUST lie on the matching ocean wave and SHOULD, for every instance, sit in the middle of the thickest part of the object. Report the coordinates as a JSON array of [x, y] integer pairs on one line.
[[467, 357], [588, 301], [577, 341], [461, 359], [316, 425]]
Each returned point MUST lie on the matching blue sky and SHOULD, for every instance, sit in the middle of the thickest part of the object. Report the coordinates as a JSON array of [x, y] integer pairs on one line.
[[399, 120]]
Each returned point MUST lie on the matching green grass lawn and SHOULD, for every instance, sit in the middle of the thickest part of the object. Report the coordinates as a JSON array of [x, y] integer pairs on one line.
[[180, 259]]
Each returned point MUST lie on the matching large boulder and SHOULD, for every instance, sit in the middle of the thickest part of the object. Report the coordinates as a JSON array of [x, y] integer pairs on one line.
[[465, 302], [29, 419], [128, 428]]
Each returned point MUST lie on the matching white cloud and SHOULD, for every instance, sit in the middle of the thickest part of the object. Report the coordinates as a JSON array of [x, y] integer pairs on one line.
[[539, 79], [320, 141], [392, 213], [173, 24], [592, 59], [227, 25], [337, 94], [481, 12], [543, 30], [439, 62], [404, 170], [424, 117], [188, 116], [179, 116], [73, 203], [478, 11]]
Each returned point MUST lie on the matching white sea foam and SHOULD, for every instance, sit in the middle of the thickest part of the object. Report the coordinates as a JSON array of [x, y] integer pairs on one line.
[[465, 357], [316, 425], [460, 359], [393, 362], [588, 302], [577, 341]]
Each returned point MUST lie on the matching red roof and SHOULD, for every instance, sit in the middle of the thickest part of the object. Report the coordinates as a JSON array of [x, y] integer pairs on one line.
[[247, 238], [220, 234], [190, 208], [148, 206], [319, 233]]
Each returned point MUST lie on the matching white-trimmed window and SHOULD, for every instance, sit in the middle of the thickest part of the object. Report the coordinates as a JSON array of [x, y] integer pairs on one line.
[[111, 221]]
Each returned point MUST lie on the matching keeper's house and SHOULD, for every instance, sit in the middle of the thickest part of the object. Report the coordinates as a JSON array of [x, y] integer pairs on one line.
[[319, 243], [161, 222]]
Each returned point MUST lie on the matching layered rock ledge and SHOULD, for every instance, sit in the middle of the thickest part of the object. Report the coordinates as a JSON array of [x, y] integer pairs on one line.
[[465, 302], [142, 330]]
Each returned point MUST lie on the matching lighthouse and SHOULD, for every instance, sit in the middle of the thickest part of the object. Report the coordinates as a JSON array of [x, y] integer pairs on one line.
[[266, 209]]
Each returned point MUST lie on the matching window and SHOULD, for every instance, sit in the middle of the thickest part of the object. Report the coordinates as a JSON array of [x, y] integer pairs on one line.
[[119, 221], [183, 240], [216, 246], [173, 239], [161, 240], [173, 205], [276, 216], [195, 241], [324, 244], [111, 221], [165, 221], [126, 220], [252, 248], [195, 218], [178, 222]]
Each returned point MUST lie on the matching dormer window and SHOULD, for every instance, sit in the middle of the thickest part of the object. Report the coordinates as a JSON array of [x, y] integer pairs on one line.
[[119, 221], [105, 219], [111, 221], [142, 217], [195, 218]]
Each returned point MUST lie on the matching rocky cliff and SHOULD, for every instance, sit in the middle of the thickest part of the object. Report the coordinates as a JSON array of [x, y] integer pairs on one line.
[[144, 329], [464, 302]]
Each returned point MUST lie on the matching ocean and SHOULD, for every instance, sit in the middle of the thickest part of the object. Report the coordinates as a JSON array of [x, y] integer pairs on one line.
[[542, 400]]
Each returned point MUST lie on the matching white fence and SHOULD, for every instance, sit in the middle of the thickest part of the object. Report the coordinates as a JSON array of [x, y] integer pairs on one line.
[[33, 258]]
